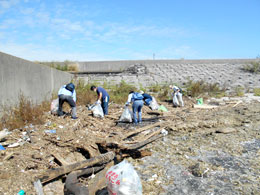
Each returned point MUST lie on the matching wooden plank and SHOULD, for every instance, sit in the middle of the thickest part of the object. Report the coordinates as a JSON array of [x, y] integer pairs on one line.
[[204, 106], [59, 158], [54, 173], [143, 129]]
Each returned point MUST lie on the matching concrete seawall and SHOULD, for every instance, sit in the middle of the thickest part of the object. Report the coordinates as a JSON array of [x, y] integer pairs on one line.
[[34, 81], [226, 72]]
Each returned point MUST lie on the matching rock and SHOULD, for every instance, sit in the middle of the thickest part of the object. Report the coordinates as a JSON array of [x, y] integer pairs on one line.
[[53, 188], [199, 170]]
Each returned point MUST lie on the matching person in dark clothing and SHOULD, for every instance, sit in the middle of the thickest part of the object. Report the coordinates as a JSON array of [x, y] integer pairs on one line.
[[67, 93], [103, 98]]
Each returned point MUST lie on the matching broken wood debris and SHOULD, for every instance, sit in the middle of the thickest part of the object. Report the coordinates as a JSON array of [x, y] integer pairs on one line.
[[54, 173]]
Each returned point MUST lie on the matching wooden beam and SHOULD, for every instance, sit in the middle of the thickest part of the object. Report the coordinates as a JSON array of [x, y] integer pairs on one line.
[[54, 173], [143, 129]]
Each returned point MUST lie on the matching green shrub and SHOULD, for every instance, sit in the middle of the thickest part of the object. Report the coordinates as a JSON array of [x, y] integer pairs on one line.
[[257, 91], [119, 93], [253, 67], [199, 88]]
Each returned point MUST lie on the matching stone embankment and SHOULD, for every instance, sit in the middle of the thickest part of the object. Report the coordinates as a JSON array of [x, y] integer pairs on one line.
[[227, 73]]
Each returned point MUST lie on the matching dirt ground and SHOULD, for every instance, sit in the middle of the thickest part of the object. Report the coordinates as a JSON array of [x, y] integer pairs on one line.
[[191, 131]]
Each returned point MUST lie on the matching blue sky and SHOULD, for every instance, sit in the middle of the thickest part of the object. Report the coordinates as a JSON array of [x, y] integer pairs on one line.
[[93, 30]]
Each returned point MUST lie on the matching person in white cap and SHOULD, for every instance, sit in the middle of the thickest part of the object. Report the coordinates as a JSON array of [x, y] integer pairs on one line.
[[177, 96]]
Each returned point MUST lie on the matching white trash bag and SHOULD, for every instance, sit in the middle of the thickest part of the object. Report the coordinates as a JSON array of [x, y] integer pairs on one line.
[[154, 105], [97, 111], [126, 116], [55, 106], [122, 179]]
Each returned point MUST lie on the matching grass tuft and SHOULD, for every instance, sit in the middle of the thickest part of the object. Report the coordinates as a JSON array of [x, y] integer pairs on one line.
[[199, 88], [257, 91], [253, 67], [23, 114]]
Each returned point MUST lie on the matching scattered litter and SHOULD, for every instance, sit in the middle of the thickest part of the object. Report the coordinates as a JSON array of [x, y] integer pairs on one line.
[[54, 106], [21, 192], [61, 127], [163, 108], [200, 101], [164, 132], [38, 187], [1, 147], [50, 131], [4, 133], [14, 145]]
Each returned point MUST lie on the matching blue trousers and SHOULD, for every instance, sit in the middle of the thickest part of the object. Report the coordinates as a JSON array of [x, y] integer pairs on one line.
[[137, 107], [104, 105]]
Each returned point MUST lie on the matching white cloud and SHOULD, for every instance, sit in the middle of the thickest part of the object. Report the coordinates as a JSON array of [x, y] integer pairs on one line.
[[5, 5], [37, 53]]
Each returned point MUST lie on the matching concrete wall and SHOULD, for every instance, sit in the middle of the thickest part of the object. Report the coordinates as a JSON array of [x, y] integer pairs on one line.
[[34, 81]]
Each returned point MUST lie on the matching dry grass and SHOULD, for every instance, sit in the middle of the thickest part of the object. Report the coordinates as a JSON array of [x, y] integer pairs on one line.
[[84, 94], [23, 114], [200, 88]]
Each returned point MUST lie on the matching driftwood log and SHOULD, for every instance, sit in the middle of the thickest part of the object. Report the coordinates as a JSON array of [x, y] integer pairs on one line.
[[72, 185], [54, 173]]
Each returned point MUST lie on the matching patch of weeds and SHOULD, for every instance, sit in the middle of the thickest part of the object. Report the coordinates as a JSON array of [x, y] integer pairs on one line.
[[119, 93], [155, 88], [253, 67], [239, 91], [257, 91], [84, 94], [161, 92], [200, 88], [23, 114]]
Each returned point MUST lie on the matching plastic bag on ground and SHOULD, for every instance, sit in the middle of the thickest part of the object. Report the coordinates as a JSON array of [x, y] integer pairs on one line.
[[126, 115], [54, 106], [97, 111], [163, 108], [154, 105], [122, 179]]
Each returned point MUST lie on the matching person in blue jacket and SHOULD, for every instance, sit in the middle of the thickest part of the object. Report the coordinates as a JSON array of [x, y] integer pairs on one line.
[[147, 98], [67, 93], [137, 104], [103, 97]]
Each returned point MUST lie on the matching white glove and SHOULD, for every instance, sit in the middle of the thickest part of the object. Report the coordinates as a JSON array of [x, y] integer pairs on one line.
[[98, 102]]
